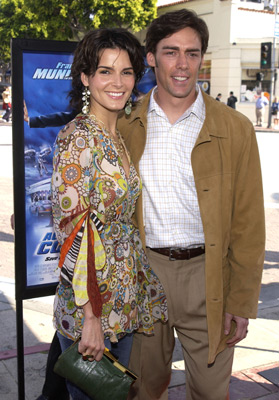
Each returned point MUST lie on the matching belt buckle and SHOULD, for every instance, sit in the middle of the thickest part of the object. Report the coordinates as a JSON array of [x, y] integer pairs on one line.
[[171, 258]]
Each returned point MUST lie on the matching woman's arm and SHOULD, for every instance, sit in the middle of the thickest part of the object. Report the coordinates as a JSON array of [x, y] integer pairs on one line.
[[92, 339]]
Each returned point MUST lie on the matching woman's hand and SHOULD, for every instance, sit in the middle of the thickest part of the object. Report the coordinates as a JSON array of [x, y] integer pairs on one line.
[[92, 343]]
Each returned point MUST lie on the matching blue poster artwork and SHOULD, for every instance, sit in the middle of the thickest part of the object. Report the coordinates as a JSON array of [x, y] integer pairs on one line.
[[46, 84]]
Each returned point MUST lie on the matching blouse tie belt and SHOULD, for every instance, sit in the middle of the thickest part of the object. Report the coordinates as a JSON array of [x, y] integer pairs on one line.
[[179, 253]]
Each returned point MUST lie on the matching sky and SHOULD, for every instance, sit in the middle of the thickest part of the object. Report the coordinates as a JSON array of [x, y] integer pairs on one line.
[[164, 2]]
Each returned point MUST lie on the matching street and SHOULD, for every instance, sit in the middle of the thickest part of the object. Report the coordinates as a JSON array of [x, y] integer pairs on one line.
[[268, 147], [260, 348], [268, 143]]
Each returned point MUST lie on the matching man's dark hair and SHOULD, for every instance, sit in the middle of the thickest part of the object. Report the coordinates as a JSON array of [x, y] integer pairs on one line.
[[172, 22], [89, 51]]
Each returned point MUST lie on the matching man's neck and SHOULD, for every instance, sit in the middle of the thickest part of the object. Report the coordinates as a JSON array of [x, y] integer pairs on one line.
[[172, 106]]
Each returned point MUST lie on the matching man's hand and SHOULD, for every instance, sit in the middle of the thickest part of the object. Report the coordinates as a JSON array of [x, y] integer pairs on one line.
[[25, 112], [12, 221], [241, 328]]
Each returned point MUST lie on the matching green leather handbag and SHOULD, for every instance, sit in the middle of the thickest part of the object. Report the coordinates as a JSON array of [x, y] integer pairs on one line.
[[102, 380]]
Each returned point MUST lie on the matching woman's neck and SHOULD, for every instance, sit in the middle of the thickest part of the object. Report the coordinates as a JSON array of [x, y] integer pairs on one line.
[[106, 120]]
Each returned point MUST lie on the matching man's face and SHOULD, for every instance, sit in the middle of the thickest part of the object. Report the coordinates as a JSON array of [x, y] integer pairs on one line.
[[176, 63]]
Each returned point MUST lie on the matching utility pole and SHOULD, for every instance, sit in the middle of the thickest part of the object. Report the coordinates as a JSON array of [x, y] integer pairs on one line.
[[272, 80]]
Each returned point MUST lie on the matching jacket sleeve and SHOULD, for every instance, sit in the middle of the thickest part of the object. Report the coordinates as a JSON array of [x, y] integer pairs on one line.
[[247, 241], [56, 119]]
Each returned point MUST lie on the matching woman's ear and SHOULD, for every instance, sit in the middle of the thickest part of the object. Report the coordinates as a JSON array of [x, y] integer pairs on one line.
[[84, 79]]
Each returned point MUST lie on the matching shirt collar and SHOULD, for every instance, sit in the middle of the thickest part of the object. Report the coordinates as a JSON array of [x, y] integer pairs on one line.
[[197, 108], [153, 105]]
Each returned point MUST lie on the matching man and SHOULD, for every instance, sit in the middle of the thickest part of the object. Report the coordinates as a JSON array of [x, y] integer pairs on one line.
[[261, 103], [44, 121], [7, 106], [219, 96], [203, 214], [231, 100]]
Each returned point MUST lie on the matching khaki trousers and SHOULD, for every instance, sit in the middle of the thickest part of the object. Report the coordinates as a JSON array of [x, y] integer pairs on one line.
[[151, 357], [260, 115]]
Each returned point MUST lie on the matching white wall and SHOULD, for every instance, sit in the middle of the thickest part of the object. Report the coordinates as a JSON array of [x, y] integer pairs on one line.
[[247, 24]]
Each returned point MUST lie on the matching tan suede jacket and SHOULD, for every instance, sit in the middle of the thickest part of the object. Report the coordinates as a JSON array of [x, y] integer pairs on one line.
[[227, 174]]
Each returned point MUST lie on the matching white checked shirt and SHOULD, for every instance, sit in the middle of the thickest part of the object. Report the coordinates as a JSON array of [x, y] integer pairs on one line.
[[171, 211]]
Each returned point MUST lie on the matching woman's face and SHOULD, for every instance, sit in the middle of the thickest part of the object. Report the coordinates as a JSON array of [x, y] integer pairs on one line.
[[113, 82]]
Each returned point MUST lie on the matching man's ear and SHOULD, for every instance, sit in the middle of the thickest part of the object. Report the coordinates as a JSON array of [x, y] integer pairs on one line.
[[151, 61], [84, 79]]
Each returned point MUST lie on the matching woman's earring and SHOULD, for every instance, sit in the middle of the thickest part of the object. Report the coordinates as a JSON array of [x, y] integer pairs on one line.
[[85, 100], [128, 107]]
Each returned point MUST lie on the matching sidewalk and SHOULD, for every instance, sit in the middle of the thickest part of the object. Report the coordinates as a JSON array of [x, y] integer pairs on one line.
[[255, 370]]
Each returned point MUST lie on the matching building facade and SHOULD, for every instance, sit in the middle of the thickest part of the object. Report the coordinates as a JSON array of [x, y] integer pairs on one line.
[[232, 62]]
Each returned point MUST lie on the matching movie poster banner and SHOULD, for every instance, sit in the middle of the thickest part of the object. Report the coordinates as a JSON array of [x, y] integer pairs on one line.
[[41, 74], [41, 83]]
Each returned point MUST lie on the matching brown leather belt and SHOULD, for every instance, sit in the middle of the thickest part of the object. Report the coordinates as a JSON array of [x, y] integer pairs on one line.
[[177, 253]]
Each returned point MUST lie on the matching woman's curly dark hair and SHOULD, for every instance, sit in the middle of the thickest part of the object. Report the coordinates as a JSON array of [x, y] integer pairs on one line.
[[88, 53]]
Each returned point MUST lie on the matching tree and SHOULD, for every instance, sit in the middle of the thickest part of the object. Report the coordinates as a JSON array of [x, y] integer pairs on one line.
[[68, 19], [129, 13], [13, 23]]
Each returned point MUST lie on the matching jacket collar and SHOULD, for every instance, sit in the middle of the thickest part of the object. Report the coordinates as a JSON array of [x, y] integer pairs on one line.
[[140, 112], [214, 125]]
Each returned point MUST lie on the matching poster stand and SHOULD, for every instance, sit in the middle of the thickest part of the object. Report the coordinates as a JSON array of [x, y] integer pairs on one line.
[[41, 79]]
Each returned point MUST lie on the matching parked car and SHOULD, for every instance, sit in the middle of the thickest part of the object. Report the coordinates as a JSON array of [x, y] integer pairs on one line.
[[41, 207]]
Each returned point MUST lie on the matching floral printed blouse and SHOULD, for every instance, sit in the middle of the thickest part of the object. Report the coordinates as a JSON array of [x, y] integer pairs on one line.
[[102, 259]]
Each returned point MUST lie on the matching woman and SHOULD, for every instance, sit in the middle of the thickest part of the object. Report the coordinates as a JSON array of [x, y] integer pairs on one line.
[[107, 289]]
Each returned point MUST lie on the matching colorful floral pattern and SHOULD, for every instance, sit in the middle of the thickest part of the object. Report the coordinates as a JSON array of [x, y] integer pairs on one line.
[[93, 202]]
